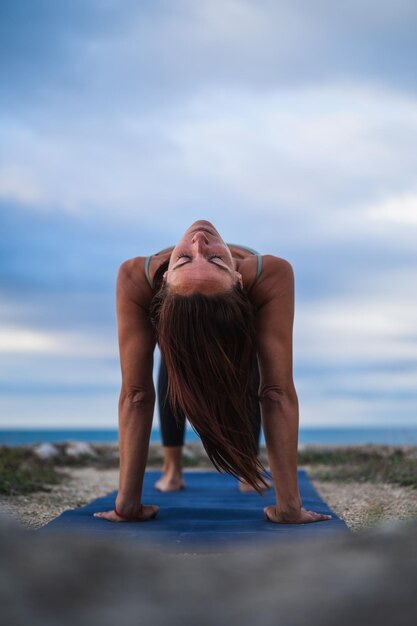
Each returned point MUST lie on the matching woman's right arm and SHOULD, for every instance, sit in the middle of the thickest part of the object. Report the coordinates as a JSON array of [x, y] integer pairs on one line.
[[137, 395]]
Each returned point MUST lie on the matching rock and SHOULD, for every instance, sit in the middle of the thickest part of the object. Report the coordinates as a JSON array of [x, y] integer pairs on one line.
[[188, 454], [77, 448], [45, 451], [368, 577]]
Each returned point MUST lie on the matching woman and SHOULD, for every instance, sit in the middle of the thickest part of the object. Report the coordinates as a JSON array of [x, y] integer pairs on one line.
[[211, 317]]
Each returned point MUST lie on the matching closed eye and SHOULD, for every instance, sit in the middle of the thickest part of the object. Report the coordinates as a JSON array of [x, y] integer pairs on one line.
[[213, 256]]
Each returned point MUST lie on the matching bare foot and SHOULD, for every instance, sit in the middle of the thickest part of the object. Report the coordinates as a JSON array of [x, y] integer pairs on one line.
[[245, 487], [169, 482]]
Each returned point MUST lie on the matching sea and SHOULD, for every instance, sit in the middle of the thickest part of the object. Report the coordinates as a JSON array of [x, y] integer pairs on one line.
[[398, 435]]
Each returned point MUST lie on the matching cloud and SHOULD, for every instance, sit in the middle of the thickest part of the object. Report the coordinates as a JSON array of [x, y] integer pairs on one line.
[[60, 410], [119, 54], [400, 210], [18, 185], [69, 343], [27, 341], [292, 126], [286, 152], [372, 327]]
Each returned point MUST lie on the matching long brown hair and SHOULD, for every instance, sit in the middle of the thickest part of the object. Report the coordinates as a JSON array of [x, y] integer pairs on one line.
[[208, 345]]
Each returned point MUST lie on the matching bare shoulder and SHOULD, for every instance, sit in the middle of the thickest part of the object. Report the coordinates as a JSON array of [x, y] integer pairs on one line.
[[131, 280], [276, 280], [274, 327]]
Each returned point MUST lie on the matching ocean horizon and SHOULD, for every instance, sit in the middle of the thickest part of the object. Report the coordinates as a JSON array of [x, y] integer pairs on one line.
[[398, 435]]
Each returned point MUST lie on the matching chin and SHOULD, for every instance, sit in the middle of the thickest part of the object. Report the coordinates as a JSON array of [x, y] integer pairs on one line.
[[204, 224]]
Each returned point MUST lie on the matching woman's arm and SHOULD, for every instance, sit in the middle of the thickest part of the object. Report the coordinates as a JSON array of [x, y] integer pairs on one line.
[[137, 394], [278, 397]]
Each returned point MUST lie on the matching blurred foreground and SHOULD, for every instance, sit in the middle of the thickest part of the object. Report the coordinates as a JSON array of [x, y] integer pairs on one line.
[[359, 578]]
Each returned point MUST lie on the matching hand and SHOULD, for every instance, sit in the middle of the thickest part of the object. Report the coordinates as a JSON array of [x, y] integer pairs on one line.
[[299, 517], [145, 513]]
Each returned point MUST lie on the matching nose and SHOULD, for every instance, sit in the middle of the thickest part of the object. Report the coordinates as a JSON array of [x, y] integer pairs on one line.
[[200, 238]]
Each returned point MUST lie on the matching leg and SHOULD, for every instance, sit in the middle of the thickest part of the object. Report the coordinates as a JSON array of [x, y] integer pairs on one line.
[[172, 434]]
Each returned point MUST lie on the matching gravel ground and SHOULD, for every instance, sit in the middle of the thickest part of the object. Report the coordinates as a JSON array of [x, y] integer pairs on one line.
[[360, 505]]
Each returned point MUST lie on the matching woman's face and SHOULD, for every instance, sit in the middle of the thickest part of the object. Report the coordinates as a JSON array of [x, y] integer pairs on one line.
[[202, 262]]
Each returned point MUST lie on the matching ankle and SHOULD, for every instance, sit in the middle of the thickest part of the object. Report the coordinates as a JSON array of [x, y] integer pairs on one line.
[[172, 470]]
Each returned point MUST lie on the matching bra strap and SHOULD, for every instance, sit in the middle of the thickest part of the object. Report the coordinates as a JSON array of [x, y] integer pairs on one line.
[[148, 278], [259, 269]]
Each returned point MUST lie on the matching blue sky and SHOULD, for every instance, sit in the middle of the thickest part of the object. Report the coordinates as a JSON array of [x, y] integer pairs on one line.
[[292, 126]]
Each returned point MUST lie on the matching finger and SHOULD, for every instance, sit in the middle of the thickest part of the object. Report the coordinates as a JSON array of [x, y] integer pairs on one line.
[[319, 517], [106, 515], [318, 514], [153, 512]]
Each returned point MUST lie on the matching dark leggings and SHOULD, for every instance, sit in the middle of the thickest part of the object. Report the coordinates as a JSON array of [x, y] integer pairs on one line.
[[173, 433]]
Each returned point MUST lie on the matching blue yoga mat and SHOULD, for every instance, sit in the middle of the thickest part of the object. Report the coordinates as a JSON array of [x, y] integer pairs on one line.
[[209, 515]]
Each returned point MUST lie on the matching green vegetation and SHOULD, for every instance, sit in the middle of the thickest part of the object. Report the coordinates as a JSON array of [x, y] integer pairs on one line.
[[22, 472], [362, 464]]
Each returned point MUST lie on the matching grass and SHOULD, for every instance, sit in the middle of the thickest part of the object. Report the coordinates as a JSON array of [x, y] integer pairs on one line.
[[363, 464], [22, 472]]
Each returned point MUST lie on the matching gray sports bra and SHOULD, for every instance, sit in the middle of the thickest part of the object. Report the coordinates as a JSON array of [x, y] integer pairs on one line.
[[258, 271]]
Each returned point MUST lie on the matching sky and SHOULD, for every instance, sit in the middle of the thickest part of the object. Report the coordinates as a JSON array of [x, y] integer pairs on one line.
[[290, 125]]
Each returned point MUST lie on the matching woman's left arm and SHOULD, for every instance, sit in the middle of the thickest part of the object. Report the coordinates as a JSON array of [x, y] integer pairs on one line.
[[277, 394]]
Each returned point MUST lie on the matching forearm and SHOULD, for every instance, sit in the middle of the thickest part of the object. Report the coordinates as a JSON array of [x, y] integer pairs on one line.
[[135, 424], [280, 418]]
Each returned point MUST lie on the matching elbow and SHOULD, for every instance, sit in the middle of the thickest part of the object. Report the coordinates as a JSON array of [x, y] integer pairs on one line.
[[278, 397], [137, 396]]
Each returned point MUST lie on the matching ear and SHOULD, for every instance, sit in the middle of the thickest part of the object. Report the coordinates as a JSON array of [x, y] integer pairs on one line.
[[239, 278]]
